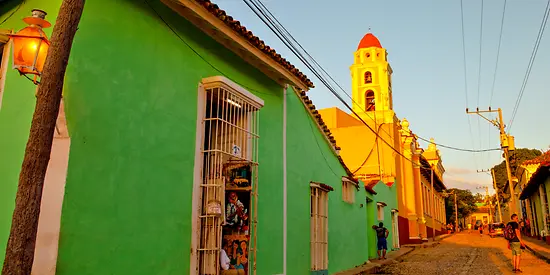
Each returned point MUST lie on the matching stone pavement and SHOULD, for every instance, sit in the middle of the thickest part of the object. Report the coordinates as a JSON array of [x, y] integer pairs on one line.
[[463, 254], [538, 247], [374, 266]]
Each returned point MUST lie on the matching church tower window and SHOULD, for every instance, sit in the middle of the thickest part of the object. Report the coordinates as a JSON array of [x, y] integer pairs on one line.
[[368, 77], [369, 101]]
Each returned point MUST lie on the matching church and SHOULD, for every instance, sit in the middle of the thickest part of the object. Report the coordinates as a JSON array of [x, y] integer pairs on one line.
[[380, 148]]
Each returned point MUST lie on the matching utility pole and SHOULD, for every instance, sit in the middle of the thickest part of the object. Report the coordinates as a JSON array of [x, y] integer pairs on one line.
[[496, 192], [506, 144], [456, 213], [487, 198], [21, 243], [433, 204]]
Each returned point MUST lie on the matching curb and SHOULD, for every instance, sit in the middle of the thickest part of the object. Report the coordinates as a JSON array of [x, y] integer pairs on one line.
[[377, 266], [538, 254]]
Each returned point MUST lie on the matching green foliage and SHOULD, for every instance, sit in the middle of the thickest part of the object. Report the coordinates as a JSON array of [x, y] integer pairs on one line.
[[517, 157], [466, 204]]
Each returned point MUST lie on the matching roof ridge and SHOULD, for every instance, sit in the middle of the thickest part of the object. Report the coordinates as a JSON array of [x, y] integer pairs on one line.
[[236, 26]]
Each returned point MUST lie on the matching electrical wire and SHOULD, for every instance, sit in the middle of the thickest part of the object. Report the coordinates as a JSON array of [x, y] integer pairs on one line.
[[284, 35], [16, 9], [530, 64], [196, 52], [331, 89], [498, 53], [466, 77]]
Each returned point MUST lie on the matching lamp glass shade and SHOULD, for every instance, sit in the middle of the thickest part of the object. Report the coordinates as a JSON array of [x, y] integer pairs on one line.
[[30, 48]]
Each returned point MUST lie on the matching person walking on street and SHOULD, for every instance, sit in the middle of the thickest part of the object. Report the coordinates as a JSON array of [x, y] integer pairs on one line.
[[382, 234], [481, 230], [515, 242]]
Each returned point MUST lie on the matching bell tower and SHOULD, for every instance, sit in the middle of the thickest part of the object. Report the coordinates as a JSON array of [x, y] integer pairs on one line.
[[371, 81]]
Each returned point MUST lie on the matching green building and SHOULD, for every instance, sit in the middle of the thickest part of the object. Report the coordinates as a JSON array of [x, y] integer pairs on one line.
[[381, 207], [180, 134]]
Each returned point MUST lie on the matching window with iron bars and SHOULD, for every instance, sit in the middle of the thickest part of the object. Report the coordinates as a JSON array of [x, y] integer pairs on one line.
[[230, 139], [319, 228]]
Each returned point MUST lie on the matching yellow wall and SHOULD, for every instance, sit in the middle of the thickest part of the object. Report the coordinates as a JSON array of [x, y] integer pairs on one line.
[[372, 158]]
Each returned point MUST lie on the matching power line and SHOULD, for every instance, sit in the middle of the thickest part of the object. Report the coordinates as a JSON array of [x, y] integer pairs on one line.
[[277, 31], [285, 33], [530, 64], [460, 149], [16, 9], [466, 76], [498, 53], [479, 69]]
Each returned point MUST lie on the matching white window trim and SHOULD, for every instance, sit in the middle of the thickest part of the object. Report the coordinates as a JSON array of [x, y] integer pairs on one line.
[[224, 82], [206, 83], [349, 188], [319, 259], [380, 210], [4, 68]]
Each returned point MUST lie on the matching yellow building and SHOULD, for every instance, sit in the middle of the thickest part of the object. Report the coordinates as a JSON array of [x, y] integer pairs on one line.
[[376, 144]]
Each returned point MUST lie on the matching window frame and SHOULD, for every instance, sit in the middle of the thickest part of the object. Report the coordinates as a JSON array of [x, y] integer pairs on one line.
[[380, 210], [5, 52], [348, 190], [365, 79], [319, 222]]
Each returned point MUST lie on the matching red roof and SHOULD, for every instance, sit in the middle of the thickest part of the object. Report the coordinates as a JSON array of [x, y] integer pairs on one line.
[[543, 159], [368, 41], [369, 186]]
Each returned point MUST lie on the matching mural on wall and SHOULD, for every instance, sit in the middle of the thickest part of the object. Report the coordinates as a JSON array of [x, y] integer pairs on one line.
[[236, 247], [236, 230]]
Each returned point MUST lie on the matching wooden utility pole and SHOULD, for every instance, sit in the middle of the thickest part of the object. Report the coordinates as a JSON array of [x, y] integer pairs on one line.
[[456, 213], [496, 192], [433, 204], [505, 144], [21, 243]]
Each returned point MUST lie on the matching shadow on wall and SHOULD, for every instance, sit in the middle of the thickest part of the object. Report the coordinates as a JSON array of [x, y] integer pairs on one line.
[[179, 27], [8, 5]]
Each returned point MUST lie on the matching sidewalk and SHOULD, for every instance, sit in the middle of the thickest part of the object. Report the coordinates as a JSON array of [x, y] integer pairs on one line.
[[372, 266], [538, 247]]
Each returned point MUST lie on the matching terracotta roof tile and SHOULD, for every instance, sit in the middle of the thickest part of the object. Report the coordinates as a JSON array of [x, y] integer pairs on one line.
[[369, 186], [254, 40], [543, 159]]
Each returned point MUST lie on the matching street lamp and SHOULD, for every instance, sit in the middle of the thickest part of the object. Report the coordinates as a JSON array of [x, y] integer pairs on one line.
[[30, 45]]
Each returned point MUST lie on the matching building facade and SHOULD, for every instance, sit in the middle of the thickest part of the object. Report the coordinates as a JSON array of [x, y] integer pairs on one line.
[[377, 145], [534, 191], [180, 134]]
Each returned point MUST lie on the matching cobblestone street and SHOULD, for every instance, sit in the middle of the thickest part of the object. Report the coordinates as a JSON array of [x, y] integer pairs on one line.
[[466, 254]]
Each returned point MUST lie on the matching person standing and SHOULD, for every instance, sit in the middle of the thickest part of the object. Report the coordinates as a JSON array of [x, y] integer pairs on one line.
[[382, 235], [481, 230], [515, 242]]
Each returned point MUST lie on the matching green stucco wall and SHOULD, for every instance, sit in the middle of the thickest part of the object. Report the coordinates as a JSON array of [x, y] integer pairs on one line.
[[131, 106], [311, 159], [15, 114], [386, 195]]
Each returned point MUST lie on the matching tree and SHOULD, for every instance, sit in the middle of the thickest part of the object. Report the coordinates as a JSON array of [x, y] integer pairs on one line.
[[517, 157], [466, 204], [479, 197], [21, 243]]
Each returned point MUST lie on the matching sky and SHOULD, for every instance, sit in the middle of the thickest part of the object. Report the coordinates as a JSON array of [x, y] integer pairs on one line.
[[425, 49]]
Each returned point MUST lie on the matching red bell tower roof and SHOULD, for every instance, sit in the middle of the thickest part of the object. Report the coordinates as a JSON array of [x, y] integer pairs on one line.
[[368, 41]]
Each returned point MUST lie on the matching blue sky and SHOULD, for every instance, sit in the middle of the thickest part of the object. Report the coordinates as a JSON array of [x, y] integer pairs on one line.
[[424, 42]]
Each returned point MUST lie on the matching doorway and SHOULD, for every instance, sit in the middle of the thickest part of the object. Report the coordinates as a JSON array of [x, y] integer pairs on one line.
[[395, 227]]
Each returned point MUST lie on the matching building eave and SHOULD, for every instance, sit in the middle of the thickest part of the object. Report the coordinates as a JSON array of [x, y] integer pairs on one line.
[[230, 33]]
